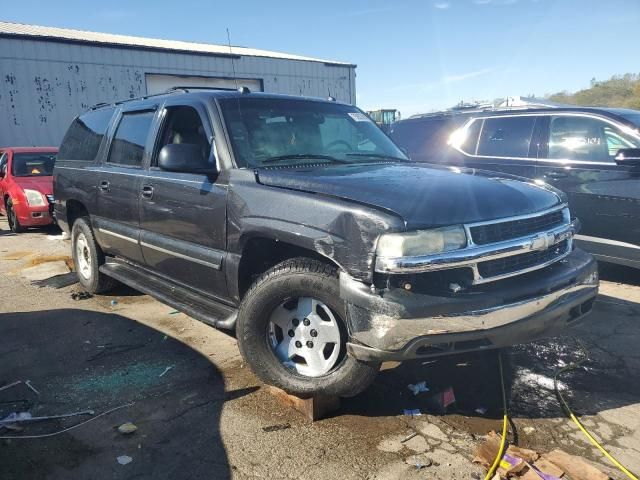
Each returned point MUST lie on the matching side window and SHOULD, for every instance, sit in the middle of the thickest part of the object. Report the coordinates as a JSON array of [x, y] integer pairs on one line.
[[85, 135], [183, 124], [130, 138], [617, 139], [578, 138], [468, 142], [506, 136]]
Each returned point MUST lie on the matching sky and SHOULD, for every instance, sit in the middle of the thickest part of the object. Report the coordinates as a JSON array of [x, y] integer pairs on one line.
[[416, 56]]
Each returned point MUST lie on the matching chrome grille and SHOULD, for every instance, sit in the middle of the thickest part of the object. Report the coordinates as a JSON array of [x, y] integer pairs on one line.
[[501, 231], [516, 263]]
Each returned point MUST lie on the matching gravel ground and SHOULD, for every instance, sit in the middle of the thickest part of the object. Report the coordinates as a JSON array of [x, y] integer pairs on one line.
[[200, 412]]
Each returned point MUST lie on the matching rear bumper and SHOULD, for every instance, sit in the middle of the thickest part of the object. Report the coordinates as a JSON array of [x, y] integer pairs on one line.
[[404, 325]]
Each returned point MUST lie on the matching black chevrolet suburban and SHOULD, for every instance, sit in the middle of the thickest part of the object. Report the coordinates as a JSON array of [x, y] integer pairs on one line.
[[592, 154], [298, 224]]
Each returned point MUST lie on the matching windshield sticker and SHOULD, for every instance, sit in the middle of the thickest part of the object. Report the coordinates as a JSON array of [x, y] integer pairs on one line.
[[358, 116]]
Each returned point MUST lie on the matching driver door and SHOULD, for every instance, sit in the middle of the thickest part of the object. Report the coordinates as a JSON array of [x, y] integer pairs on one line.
[[183, 215]]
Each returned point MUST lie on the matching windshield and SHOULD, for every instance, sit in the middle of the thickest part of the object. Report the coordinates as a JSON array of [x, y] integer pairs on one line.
[[268, 131], [33, 164]]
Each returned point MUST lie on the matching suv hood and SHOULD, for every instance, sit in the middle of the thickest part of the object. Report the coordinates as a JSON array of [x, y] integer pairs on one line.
[[43, 184], [424, 196]]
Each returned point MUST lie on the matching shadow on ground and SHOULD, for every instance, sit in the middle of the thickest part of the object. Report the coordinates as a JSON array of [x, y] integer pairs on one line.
[[609, 337], [79, 360]]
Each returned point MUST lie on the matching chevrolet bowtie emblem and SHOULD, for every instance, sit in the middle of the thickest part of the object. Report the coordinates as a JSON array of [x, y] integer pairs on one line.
[[543, 241]]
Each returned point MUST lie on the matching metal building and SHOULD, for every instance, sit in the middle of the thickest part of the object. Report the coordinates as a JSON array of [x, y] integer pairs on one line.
[[49, 75]]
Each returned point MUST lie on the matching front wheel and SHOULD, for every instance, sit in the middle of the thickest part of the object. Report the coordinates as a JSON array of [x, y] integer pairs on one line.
[[291, 331], [12, 218]]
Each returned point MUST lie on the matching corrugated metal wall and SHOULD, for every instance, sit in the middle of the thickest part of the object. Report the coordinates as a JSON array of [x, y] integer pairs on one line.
[[44, 84]]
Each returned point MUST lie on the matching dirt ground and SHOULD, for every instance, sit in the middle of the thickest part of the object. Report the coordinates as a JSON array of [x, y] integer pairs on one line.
[[200, 412]]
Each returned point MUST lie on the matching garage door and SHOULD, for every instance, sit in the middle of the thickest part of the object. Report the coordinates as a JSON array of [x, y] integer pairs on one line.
[[161, 83]]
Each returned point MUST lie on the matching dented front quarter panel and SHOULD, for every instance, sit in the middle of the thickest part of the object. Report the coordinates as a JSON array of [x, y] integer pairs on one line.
[[344, 232]]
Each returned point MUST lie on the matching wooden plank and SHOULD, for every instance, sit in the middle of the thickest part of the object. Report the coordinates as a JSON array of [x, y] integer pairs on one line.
[[576, 467], [313, 408]]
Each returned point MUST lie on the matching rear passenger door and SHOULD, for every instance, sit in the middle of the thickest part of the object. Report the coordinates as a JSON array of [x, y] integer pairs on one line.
[[578, 158], [119, 182], [183, 215], [506, 144]]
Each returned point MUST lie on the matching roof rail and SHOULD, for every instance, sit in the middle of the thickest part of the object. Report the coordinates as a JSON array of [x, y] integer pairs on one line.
[[185, 89]]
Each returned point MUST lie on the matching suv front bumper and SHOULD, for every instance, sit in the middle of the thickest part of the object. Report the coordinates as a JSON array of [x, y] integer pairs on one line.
[[401, 325]]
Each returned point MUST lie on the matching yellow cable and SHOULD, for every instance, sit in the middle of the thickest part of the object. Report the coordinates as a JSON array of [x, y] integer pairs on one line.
[[573, 366], [500, 454]]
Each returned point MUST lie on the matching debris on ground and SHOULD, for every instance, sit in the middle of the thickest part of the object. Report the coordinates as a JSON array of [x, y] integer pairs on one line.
[[528, 430], [16, 417], [418, 387], [412, 412], [481, 410], [275, 428], [114, 302], [166, 370], [124, 459], [127, 428], [57, 281], [81, 295], [31, 387], [408, 437], [439, 402], [5, 387], [530, 465]]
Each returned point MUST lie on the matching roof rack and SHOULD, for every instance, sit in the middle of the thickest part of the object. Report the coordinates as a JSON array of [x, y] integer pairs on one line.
[[187, 89]]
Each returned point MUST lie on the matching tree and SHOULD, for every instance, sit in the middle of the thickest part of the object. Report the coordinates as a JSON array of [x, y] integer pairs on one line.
[[618, 91]]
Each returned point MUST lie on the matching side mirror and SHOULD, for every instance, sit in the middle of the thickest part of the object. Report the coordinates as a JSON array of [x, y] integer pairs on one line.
[[628, 156], [184, 157]]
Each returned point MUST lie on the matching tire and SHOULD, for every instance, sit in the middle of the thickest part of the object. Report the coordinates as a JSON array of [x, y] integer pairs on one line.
[[12, 218], [282, 293], [87, 258]]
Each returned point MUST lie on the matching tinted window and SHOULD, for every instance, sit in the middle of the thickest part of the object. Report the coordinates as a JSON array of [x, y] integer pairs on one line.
[[506, 137], [617, 139], [469, 142], [268, 131], [578, 138], [425, 139], [128, 143], [32, 164], [85, 135], [184, 125]]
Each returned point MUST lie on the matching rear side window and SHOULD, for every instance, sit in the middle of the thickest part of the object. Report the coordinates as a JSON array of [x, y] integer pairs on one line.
[[425, 139], [128, 143], [85, 135], [506, 137]]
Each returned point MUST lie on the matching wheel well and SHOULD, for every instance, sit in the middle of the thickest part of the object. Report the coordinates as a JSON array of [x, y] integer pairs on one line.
[[260, 254], [75, 210]]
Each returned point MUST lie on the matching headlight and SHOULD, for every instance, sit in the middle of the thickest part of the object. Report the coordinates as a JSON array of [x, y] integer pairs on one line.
[[421, 242], [34, 198]]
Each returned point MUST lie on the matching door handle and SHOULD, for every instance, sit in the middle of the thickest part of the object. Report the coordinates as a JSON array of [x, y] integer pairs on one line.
[[555, 175], [104, 186], [147, 191]]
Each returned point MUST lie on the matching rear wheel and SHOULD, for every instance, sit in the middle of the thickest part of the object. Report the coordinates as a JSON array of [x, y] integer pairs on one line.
[[12, 218], [291, 330], [87, 257]]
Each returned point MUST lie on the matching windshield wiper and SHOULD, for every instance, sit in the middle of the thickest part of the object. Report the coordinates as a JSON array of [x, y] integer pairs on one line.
[[378, 155], [295, 156]]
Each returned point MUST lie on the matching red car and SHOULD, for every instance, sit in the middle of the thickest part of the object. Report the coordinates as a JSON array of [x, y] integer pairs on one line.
[[26, 186]]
